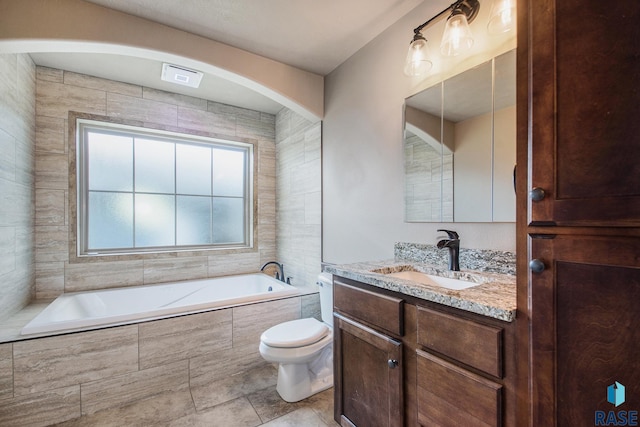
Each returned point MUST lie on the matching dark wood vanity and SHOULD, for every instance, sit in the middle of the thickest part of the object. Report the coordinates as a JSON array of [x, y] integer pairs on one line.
[[405, 361]]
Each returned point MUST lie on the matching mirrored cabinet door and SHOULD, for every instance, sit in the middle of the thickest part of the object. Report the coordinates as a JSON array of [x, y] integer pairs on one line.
[[459, 147]]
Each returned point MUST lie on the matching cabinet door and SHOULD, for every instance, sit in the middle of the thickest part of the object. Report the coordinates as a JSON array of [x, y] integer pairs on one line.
[[582, 76], [450, 396], [585, 333], [368, 376]]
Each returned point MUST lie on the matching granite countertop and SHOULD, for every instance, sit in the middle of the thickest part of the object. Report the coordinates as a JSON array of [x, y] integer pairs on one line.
[[494, 297]]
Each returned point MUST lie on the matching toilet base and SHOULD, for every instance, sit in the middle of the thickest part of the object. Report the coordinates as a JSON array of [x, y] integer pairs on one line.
[[293, 387], [297, 381]]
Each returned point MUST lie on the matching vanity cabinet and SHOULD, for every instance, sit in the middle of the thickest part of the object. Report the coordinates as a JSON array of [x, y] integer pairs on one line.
[[368, 391], [403, 361]]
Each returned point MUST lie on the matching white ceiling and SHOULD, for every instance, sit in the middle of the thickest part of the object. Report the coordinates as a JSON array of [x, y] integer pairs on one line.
[[313, 35]]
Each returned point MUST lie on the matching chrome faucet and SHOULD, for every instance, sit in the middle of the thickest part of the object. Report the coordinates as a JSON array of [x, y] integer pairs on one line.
[[280, 267], [453, 244]]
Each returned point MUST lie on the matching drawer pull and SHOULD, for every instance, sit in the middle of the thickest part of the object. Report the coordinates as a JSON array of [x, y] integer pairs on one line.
[[392, 363]]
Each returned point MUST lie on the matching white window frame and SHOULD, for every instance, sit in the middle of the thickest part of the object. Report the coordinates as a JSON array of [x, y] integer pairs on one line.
[[83, 126]]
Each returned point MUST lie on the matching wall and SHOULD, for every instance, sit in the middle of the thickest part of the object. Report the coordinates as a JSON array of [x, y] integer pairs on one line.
[[299, 197], [17, 136], [363, 206], [59, 92]]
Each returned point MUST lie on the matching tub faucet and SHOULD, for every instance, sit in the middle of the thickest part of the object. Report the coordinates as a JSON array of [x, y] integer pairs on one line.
[[279, 273], [453, 244]]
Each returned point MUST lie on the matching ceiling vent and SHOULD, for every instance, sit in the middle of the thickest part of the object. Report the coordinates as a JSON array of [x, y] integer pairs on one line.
[[180, 75]]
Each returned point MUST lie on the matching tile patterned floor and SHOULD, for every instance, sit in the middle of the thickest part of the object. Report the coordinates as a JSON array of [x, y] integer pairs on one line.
[[259, 407]]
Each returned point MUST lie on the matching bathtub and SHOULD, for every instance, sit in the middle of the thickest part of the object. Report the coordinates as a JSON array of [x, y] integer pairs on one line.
[[119, 306]]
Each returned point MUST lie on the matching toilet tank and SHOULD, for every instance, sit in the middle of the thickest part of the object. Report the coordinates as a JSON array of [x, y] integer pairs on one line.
[[325, 282]]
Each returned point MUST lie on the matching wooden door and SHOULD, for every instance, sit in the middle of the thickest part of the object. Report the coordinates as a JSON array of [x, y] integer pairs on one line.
[[585, 327], [368, 376], [583, 83]]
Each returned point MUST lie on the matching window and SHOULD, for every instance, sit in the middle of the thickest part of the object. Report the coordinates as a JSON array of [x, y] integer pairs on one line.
[[141, 190]]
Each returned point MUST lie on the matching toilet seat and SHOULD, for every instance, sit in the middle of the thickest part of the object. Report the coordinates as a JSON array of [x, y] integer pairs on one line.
[[295, 333]]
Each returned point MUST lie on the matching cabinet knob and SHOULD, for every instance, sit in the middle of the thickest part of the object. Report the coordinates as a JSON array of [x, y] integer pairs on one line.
[[536, 266], [536, 194], [392, 363]]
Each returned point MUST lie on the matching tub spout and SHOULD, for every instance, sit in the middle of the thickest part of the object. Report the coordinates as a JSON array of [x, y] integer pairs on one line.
[[279, 266]]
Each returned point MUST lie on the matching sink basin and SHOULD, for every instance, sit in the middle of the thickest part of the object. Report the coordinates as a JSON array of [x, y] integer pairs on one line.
[[429, 279]]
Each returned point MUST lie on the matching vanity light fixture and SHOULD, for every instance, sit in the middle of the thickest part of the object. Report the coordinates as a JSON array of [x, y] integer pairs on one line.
[[502, 17], [457, 36]]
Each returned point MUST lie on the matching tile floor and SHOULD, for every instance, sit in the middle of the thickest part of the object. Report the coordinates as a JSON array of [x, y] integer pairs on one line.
[[261, 407]]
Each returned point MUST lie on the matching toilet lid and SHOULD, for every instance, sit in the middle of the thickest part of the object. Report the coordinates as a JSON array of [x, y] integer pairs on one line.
[[295, 333]]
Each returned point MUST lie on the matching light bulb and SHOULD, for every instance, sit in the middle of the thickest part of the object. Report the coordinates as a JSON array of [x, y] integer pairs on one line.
[[417, 62], [457, 36], [502, 17]]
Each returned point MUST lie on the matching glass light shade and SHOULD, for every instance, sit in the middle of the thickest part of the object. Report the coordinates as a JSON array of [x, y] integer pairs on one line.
[[417, 62], [457, 36], [502, 17]]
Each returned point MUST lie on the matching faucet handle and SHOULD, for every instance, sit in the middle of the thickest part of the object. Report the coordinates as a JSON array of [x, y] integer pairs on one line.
[[452, 234]]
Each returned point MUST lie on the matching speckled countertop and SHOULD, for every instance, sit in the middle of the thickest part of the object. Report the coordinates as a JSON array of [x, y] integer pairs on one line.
[[494, 297]]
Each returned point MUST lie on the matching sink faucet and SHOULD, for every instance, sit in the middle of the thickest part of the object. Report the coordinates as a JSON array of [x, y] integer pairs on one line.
[[453, 244], [280, 267]]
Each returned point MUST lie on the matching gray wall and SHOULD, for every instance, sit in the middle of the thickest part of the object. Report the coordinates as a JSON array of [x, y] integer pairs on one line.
[[363, 206], [299, 199], [17, 136]]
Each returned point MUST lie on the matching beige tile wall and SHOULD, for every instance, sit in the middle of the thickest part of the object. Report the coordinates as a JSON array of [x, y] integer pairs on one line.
[[213, 355], [58, 93], [299, 186], [17, 136]]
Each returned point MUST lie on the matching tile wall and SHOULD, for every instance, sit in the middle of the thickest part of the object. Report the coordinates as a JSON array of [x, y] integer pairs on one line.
[[17, 136], [50, 380], [58, 93], [299, 196]]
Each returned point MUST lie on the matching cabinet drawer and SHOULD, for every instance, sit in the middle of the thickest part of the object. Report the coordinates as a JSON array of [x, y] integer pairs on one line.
[[378, 310], [449, 396], [469, 342]]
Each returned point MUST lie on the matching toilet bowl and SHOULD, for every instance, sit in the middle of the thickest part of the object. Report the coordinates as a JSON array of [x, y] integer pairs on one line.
[[303, 349]]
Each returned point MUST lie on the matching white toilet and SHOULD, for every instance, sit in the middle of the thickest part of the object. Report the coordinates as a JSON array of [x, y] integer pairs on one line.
[[304, 349]]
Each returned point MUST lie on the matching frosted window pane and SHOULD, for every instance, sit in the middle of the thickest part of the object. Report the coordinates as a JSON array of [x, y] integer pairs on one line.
[[155, 163], [194, 220], [228, 220], [110, 162], [110, 220], [155, 219], [228, 172], [193, 164]]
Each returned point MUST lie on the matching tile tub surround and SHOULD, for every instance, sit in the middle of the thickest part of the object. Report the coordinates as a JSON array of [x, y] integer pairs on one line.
[[61, 94], [208, 356], [495, 297], [485, 260], [17, 195]]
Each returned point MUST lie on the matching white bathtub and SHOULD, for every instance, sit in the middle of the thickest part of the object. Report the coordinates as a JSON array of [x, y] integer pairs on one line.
[[118, 306]]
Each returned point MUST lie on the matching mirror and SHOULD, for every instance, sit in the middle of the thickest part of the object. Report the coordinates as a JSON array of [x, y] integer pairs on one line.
[[460, 146]]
